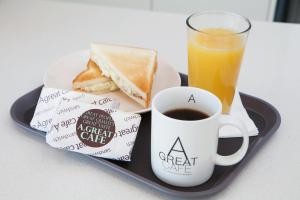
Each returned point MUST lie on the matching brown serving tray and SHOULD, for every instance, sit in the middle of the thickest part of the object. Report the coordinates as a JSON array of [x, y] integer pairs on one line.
[[264, 115]]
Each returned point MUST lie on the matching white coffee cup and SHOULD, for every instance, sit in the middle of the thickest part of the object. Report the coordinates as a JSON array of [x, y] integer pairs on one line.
[[184, 153]]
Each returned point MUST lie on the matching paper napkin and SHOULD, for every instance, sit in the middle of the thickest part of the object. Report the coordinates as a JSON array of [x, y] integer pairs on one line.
[[238, 112], [95, 130], [50, 98]]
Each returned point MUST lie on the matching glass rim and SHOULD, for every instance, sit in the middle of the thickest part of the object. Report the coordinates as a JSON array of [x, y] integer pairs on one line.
[[219, 12]]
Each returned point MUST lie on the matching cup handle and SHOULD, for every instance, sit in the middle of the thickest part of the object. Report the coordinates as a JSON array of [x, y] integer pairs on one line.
[[237, 156]]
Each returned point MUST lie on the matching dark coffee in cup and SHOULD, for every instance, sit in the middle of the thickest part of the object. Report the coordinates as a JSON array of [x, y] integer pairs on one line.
[[186, 114]]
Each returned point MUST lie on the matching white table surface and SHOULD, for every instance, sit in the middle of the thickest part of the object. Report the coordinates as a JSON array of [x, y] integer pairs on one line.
[[34, 34]]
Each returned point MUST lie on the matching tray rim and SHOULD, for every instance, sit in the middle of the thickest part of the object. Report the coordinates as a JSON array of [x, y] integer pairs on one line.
[[187, 194]]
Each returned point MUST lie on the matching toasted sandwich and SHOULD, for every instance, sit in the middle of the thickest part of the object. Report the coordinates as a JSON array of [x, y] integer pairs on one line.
[[132, 69], [91, 80]]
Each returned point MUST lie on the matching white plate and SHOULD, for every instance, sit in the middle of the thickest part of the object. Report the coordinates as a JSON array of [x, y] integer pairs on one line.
[[61, 74]]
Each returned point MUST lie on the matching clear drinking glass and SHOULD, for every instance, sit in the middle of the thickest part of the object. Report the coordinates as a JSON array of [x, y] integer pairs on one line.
[[216, 43]]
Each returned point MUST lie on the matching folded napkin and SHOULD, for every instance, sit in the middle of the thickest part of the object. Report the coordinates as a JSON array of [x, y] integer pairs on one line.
[[239, 112]]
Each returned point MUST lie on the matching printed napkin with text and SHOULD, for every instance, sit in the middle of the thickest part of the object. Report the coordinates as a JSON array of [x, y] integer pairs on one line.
[[50, 98], [95, 130]]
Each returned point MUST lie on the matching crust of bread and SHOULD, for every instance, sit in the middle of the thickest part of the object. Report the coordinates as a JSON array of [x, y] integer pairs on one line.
[[149, 94]]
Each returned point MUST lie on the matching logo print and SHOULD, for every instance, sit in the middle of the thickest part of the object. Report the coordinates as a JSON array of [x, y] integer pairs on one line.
[[177, 147], [95, 128], [192, 99], [176, 161]]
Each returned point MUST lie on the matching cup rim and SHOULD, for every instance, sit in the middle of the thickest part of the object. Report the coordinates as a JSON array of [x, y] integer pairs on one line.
[[218, 12], [215, 114]]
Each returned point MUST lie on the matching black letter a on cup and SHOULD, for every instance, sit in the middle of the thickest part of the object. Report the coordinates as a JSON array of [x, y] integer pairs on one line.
[[177, 147], [191, 99]]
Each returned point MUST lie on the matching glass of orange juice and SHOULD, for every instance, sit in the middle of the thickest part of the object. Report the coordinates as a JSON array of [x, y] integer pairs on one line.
[[216, 43]]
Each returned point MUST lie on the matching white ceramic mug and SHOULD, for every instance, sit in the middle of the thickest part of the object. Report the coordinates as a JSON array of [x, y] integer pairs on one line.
[[184, 153]]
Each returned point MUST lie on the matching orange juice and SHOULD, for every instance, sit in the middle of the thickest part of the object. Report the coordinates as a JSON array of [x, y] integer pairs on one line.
[[214, 57]]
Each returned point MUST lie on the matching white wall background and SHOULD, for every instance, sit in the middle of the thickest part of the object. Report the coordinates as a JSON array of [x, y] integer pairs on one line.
[[254, 9]]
